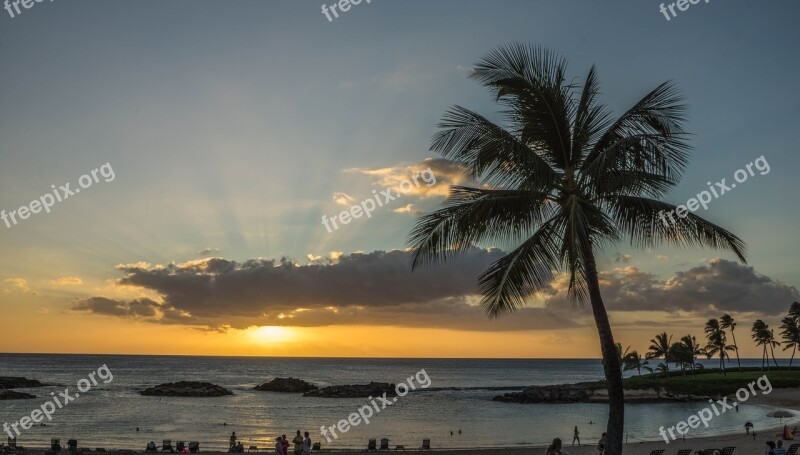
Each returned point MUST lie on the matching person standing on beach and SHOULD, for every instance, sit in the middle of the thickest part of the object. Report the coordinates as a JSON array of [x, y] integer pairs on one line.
[[233, 440], [285, 443], [601, 445], [298, 444], [278, 446], [576, 437], [306, 444]]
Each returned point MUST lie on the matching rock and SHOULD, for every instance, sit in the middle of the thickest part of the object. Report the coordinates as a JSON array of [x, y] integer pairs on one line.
[[374, 389], [11, 382], [547, 394], [286, 385], [186, 389], [12, 395]]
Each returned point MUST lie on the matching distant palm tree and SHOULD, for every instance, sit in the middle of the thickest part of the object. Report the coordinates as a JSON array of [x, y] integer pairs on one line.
[[634, 361], [661, 347], [690, 347], [791, 335], [765, 337], [561, 178], [727, 322], [717, 344]]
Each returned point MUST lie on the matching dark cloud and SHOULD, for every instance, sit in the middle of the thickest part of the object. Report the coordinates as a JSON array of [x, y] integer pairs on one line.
[[720, 286], [379, 288], [362, 288]]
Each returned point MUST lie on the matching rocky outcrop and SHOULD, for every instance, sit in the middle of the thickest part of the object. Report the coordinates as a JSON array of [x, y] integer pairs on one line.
[[12, 382], [12, 395], [374, 389], [286, 385], [547, 394], [186, 389]]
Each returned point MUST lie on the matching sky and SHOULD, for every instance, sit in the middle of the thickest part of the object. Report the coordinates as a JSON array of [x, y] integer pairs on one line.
[[222, 134]]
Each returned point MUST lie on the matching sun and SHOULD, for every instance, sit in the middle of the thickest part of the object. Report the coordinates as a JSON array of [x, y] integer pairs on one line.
[[272, 334]]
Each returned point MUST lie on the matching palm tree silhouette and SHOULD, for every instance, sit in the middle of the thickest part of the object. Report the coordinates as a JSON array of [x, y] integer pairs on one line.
[[560, 179], [727, 322], [661, 346], [765, 337], [791, 330], [692, 349], [634, 361], [717, 343]]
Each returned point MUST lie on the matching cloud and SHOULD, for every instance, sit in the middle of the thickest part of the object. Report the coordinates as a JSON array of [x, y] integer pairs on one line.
[[375, 288], [67, 281], [708, 290], [343, 199], [431, 177], [208, 251], [18, 283], [408, 208]]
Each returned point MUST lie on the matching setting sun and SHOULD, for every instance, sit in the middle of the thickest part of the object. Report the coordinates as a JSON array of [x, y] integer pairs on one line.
[[271, 334]]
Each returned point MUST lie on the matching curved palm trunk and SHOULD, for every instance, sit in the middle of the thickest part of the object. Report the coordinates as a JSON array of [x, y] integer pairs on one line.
[[772, 349], [616, 404], [736, 348]]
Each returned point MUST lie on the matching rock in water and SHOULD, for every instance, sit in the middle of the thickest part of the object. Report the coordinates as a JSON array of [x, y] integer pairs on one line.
[[186, 389], [286, 385], [10, 382], [12, 395], [374, 389]]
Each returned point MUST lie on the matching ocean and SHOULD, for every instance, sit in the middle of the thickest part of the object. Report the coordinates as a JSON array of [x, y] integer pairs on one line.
[[114, 415]]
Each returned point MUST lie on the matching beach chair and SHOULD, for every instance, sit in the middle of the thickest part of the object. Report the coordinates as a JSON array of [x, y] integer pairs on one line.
[[426, 444], [657, 452], [372, 445], [728, 450], [317, 446], [166, 446], [179, 446], [384, 444], [685, 452], [793, 449], [194, 447]]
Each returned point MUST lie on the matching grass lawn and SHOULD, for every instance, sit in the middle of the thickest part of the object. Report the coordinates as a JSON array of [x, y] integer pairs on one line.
[[710, 382]]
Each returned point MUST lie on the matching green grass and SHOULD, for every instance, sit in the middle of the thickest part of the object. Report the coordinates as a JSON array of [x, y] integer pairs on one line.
[[709, 382]]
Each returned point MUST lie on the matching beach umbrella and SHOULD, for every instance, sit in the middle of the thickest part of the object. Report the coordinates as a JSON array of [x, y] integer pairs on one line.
[[780, 414]]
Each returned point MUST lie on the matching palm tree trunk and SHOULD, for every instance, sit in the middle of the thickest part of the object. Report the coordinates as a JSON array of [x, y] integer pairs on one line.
[[616, 404], [772, 349], [736, 348], [792, 359]]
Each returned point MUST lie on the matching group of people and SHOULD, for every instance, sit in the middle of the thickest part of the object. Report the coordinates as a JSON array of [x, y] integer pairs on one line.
[[302, 445]]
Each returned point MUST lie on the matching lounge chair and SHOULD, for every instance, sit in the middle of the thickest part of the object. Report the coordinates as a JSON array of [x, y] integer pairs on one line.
[[793, 449], [426, 444], [194, 447], [685, 452], [179, 446], [728, 450], [384, 444], [317, 446], [167, 446], [657, 452], [372, 445]]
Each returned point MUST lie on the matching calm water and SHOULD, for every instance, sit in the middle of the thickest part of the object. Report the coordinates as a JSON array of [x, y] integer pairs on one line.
[[108, 414]]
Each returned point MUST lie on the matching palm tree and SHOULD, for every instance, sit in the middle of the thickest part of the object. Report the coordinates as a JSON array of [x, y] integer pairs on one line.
[[717, 344], [790, 333], [680, 356], [661, 346], [765, 337], [791, 330], [634, 361], [560, 178], [727, 322], [692, 349]]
